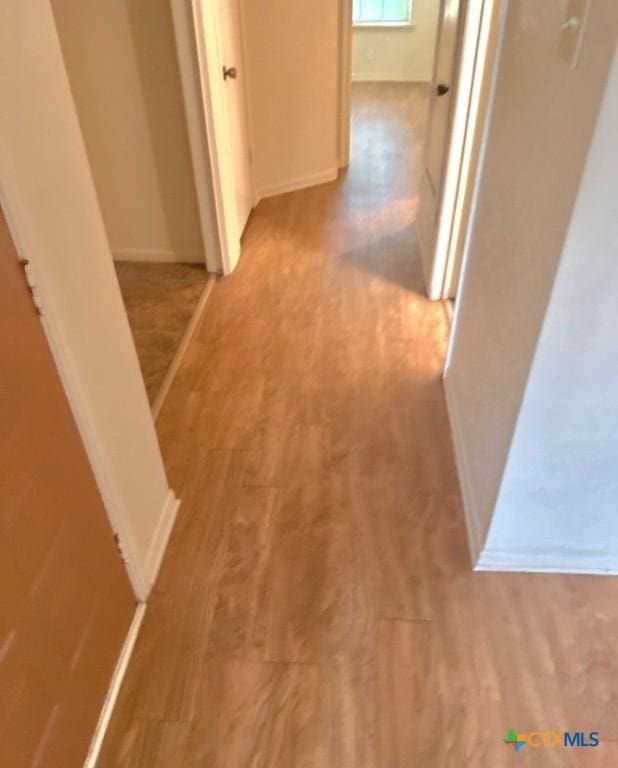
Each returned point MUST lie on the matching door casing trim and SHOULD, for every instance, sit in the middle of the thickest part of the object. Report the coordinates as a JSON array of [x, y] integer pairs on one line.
[[476, 60]]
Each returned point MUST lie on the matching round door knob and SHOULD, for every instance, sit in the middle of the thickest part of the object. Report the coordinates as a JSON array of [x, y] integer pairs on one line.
[[230, 73], [441, 89]]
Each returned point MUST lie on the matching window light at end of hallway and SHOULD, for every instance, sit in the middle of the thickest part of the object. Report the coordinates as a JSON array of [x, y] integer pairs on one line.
[[381, 12]]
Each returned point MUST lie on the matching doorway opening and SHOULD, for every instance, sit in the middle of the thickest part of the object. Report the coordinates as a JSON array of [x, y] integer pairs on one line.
[[163, 302], [126, 83], [401, 54], [392, 55]]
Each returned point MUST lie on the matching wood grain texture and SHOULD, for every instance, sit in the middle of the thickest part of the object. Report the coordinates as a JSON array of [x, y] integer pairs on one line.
[[316, 607]]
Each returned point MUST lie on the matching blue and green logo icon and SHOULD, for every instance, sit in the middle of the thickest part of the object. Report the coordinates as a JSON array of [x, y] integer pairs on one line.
[[516, 740]]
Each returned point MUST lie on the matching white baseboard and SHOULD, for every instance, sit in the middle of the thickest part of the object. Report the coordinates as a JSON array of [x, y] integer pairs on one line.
[[387, 77], [473, 527], [182, 348], [270, 190], [164, 256], [548, 561], [536, 561], [165, 524], [114, 687]]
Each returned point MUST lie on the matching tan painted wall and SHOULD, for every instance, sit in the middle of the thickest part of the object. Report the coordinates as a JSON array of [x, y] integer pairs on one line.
[[122, 65], [398, 53], [292, 61]]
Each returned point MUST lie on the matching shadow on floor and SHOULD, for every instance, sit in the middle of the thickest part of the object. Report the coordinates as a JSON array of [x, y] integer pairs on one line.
[[394, 258]]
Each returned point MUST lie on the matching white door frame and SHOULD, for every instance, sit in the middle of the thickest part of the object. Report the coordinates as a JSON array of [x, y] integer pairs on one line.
[[345, 83], [197, 42], [50, 202], [186, 47], [475, 62]]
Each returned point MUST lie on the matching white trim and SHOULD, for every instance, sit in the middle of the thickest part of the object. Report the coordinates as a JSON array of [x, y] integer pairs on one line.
[[468, 110], [301, 183], [385, 77], [458, 131], [548, 561], [186, 47], [160, 538], [158, 255], [246, 91], [180, 352], [206, 26], [114, 687], [380, 25], [473, 525], [497, 40], [344, 105]]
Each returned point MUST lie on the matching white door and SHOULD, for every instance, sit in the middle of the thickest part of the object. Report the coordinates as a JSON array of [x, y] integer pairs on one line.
[[436, 140], [234, 86]]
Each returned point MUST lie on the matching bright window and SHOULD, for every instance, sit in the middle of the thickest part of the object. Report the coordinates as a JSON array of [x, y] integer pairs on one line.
[[385, 12]]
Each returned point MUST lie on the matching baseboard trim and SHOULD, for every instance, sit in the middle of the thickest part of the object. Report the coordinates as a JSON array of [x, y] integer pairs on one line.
[[270, 190], [359, 77], [182, 348], [487, 559], [161, 537], [163, 256], [114, 687], [475, 539], [548, 561]]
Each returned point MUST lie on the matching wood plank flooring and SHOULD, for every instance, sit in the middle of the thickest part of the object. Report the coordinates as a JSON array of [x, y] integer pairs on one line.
[[316, 607]]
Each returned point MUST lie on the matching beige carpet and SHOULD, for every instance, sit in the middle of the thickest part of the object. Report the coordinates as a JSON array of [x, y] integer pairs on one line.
[[160, 300]]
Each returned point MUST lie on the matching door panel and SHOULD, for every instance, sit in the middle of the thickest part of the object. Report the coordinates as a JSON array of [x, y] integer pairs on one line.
[[66, 603], [438, 125], [230, 31], [437, 134]]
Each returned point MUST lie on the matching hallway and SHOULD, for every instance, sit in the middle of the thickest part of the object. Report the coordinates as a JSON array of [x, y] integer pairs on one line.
[[316, 606]]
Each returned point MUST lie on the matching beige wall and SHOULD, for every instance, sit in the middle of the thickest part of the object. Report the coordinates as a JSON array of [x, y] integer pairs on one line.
[[51, 205], [540, 126], [121, 61], [398, 53], [292, 61], [560, 486]]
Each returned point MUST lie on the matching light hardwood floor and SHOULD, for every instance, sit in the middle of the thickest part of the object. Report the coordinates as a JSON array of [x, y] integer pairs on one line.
[[316, 607]]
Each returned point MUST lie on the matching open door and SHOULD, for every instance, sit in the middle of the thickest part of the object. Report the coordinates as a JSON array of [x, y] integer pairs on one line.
[[66, 599], [218, 120], [234, 88], [467, 49], [438, 132]]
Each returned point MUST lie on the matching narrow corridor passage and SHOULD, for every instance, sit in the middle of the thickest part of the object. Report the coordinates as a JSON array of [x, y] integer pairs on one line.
[[316, 606]]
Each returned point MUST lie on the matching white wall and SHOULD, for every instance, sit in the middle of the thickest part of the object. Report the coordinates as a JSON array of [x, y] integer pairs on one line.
[[292, 61], [51, 204], [560, 489], [122, 65], [403, 53], [540, 128]]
